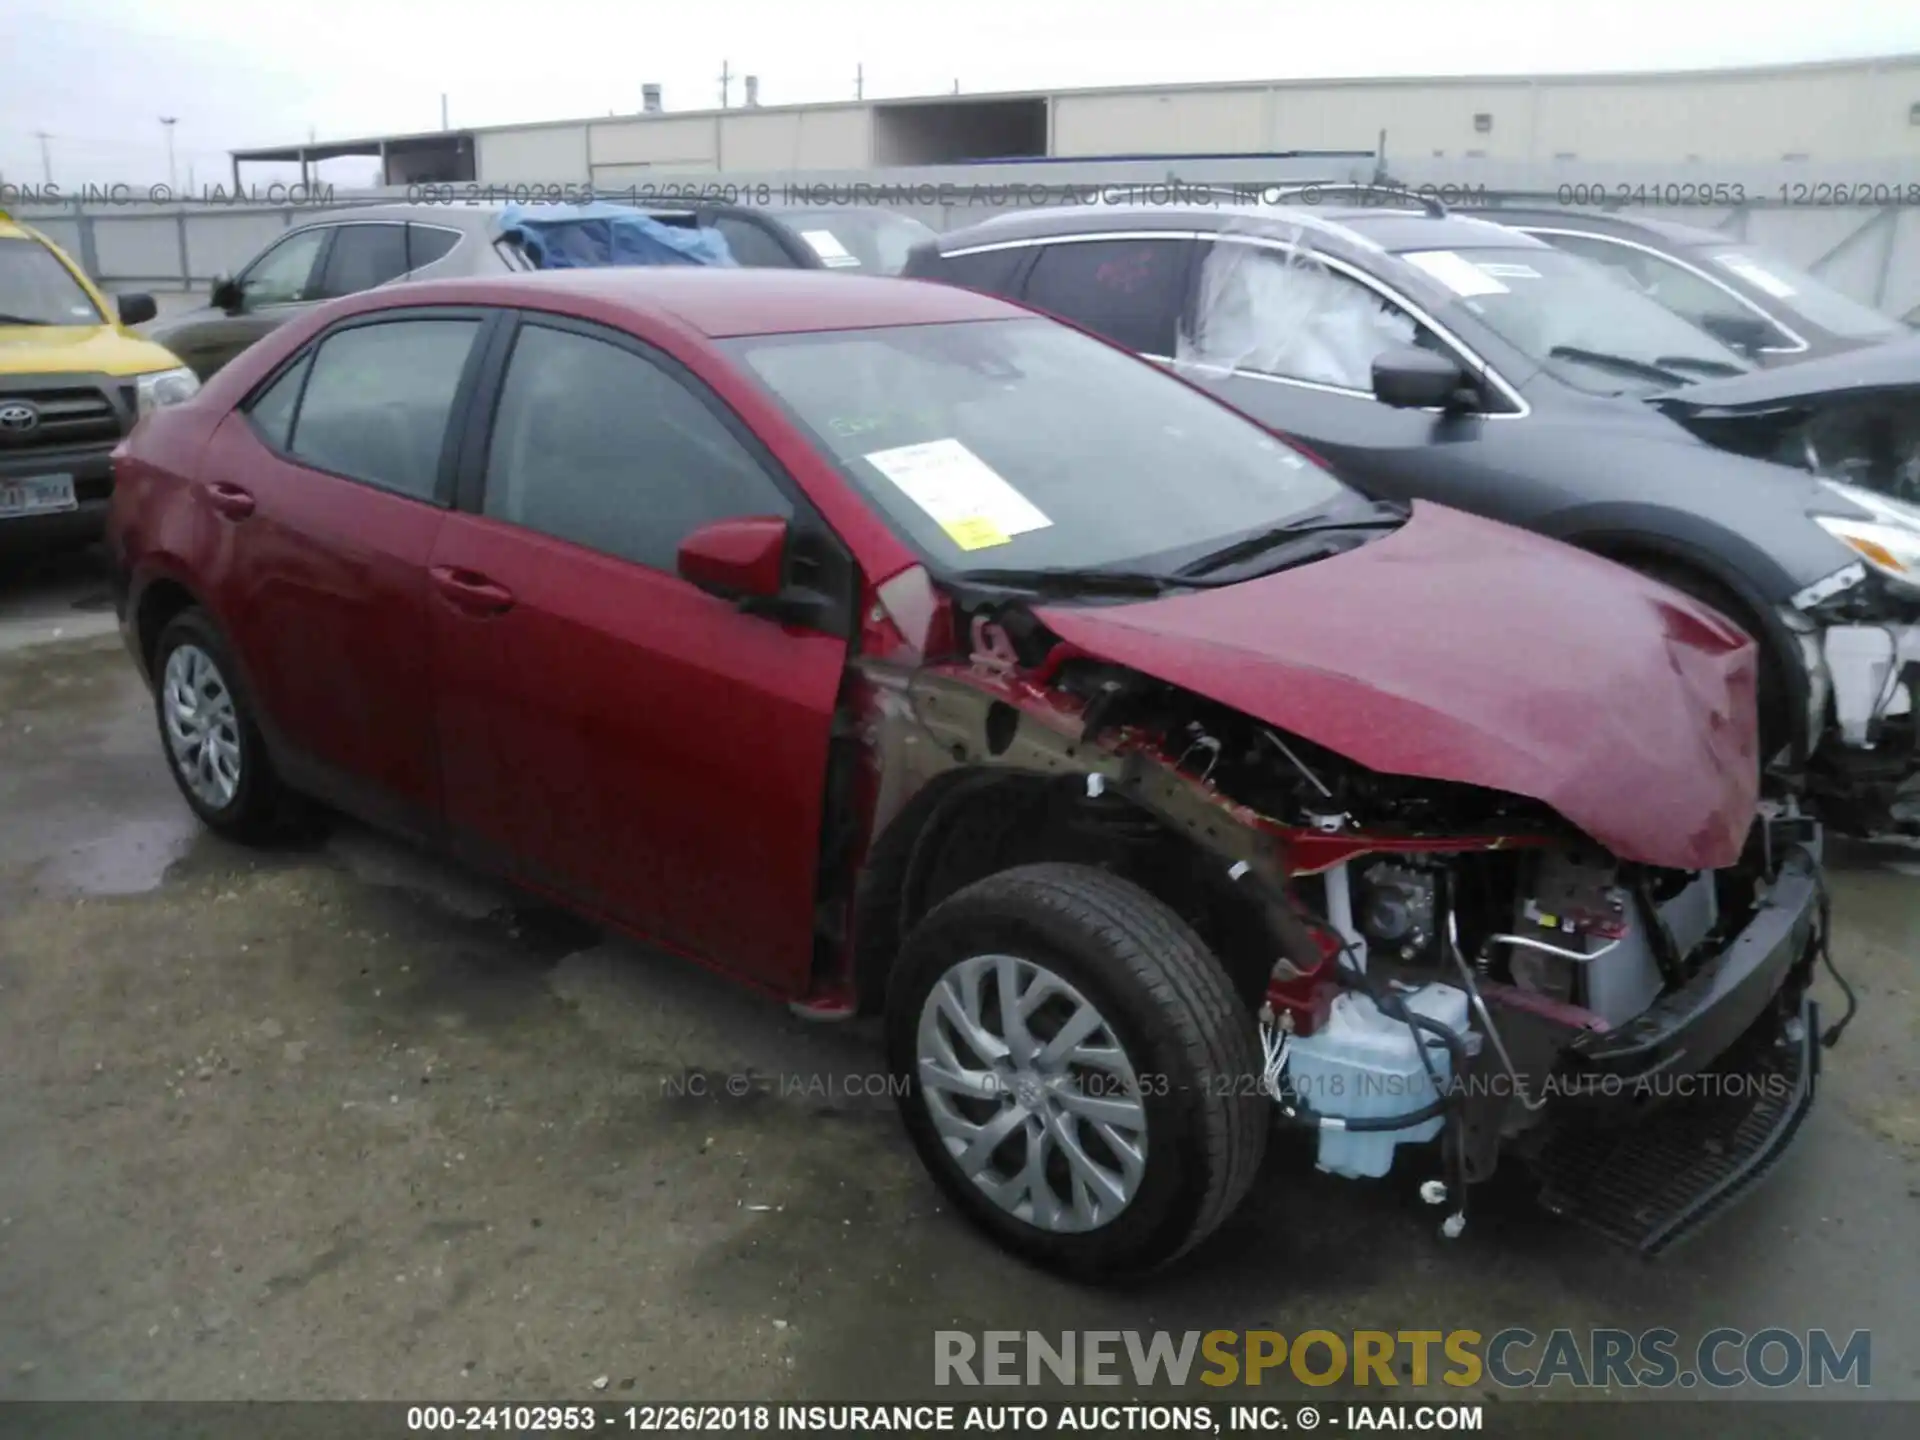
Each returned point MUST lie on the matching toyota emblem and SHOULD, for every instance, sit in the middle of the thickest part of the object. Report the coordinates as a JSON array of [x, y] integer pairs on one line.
[[17, 417]]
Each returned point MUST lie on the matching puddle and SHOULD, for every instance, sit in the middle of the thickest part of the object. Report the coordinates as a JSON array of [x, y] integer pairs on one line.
[[131, 860]]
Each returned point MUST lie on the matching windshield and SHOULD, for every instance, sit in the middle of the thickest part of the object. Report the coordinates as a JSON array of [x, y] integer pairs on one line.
[[1577, 320], [1022, 444], [37, 289], [875, 240], [1804, 295]]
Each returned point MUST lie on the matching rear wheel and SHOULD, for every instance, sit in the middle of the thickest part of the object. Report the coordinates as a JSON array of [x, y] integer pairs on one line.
[[1078, 1074], [208, 732]]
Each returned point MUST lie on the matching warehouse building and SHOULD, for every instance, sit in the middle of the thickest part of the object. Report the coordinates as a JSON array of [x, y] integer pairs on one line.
[[1839, 112]]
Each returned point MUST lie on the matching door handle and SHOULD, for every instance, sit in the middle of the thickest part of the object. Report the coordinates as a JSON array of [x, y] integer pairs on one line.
[[471, 591], [230, 500]]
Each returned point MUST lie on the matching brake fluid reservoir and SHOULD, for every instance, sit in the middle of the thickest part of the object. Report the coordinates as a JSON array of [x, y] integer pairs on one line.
[[1363, 1064]]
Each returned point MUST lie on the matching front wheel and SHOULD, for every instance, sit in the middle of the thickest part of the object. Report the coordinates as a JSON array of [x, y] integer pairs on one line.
[[1076, 1070]]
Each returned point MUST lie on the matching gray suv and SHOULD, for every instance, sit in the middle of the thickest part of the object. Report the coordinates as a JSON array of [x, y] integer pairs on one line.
[[337, 253]]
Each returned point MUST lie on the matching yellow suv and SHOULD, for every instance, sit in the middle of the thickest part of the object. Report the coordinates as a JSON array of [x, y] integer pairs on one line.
[[73, 379]]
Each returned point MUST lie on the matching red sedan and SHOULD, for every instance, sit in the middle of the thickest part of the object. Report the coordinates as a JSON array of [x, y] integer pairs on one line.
[[890, 647]]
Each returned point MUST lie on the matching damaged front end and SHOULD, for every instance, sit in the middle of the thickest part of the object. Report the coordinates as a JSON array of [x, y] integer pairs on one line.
[[1858, 636], [1432, 962]]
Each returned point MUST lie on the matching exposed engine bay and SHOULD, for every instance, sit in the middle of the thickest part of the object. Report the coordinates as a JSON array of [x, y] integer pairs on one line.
[[1429, 960]]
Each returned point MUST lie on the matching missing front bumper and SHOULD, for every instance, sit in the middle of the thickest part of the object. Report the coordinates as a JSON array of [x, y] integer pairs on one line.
[[1652, 1183]]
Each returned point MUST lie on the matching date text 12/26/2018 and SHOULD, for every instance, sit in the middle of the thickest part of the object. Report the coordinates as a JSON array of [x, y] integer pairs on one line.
[[1840, 194], [924, 1419]]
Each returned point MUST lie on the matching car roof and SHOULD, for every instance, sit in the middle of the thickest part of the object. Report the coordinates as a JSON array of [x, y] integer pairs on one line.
[[1400, 231], [724, 302], [1369, 227], [1607, 223], [456, 215]]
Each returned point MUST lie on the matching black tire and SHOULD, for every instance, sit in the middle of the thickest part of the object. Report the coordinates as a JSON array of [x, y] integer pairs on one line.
[[1167, 1000], [260, 806]]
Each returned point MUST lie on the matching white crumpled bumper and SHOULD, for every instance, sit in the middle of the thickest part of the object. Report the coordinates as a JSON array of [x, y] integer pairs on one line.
[[1864, 663]]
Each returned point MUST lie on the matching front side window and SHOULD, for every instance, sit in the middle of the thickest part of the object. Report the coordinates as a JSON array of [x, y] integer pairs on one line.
[[36, 288], [1574, 319], [1127, 290], [362, 257], [378, 399], [595, 445], [1021, 443], [1288, 314], [1674, 287], [874, 241], [284, 274], [1807, 295]]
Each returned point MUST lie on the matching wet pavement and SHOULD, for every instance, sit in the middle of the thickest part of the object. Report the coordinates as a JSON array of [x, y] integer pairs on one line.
[[335, 1120]]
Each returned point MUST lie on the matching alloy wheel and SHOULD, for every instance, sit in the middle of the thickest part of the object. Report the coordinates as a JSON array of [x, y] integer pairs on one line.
[[1032, 1093], [203, 730]]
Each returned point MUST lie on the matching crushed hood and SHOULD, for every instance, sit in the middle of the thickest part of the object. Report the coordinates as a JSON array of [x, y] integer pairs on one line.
[[1461, 649], [1892, 365]]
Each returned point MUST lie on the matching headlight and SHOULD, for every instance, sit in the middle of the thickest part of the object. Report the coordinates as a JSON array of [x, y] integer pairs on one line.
[[1889, 540], [165, 387], [1893, 550]]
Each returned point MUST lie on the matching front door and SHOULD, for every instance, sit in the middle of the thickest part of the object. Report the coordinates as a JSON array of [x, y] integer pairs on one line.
[[280, 283], [1291, 339], [609, 731]]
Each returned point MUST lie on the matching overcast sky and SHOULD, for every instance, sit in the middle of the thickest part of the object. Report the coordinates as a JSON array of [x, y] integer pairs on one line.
[[97, 75]]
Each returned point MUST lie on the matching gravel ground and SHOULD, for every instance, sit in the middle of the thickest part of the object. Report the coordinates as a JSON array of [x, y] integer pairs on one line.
[[337, 1121]]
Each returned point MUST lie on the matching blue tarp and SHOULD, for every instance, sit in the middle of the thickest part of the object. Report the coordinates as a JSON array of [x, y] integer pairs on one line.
[[571, 237]]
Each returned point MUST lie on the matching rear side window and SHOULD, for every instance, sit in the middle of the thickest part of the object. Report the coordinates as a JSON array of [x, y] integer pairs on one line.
[[362, 257], [428, 243], [595, 445], [1127, 290], [378, 399], [272, 410], [751, 244], [993, 272]]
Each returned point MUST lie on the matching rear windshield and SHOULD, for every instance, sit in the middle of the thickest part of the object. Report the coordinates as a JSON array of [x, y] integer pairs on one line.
[[37, 289]]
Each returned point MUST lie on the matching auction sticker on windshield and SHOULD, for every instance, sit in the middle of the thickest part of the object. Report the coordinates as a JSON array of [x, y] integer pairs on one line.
[[828, 247], [1456, 272], [960, 492]]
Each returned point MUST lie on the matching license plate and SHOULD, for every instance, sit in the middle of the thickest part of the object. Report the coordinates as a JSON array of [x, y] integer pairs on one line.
[[36, 495]]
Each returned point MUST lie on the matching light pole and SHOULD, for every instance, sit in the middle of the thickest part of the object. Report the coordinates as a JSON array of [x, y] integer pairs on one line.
[[173, 177], [46, 155]]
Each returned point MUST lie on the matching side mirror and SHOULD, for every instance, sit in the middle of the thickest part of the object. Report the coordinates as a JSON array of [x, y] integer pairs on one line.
[[135, 309], [1748, 334], [739, 559], [1409, 378], [226, 294]]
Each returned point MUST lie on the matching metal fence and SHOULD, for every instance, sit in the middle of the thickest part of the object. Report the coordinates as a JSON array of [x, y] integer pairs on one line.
[[1857, 228]]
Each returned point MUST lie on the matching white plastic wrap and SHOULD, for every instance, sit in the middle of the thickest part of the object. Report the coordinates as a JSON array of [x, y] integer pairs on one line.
[[1284, 313]]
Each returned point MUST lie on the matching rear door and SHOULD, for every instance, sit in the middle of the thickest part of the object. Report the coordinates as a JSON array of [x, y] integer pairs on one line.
[[328, 489], [1126, 287], [363, 256], [609, 731]]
